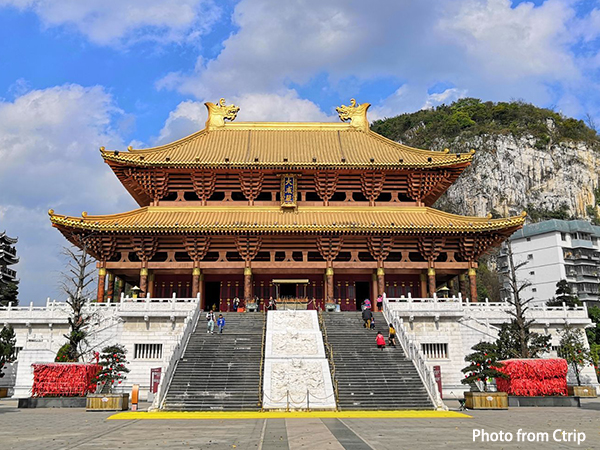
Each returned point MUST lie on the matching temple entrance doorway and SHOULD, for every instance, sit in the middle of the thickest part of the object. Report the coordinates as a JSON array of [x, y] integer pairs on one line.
[[212, 292], [363, 288], [287, 291]]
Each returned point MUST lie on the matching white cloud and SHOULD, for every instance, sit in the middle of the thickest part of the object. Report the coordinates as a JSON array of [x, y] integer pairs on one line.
[[484, 47], [190, 116], [49, 143], [108, 22]]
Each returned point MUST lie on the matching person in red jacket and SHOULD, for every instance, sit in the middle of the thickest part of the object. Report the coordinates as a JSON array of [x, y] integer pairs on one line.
[[380, 340]]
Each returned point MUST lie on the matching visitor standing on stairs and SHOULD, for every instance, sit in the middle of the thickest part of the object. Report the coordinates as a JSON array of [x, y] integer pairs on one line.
[[392, 337], [210, 322], [380, 340], [380, 303], [367, 316], [221, 323]]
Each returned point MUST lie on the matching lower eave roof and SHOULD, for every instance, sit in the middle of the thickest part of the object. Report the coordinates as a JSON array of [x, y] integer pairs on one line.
[[323, 219]]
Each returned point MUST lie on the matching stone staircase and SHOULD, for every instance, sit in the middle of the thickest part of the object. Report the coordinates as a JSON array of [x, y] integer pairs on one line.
[[367, 377], [220, 371]]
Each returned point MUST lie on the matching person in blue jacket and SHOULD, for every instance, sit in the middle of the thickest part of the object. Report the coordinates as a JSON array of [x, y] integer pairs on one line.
[[221, 323]]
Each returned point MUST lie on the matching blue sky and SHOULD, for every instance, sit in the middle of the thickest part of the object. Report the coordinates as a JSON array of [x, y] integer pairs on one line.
[[77, 75]]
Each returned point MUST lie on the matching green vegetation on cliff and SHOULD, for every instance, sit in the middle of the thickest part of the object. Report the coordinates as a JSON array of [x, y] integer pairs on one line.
[[470, 117]]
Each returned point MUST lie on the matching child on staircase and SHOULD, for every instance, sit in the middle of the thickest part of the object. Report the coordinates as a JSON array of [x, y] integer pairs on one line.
[[380, 340]]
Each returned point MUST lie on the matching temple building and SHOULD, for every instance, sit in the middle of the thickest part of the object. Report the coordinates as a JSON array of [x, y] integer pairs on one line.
[[322, 212], [8, 257]]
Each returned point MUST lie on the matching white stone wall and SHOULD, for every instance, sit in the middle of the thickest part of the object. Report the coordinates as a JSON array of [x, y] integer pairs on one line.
[[461, 326], [40, 332]]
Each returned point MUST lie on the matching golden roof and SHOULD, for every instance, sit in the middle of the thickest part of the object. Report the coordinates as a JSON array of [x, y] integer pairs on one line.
[[286, 145], [356, 219]]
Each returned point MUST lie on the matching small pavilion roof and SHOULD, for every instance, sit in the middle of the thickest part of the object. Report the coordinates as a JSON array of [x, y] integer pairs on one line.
[[346, 220]]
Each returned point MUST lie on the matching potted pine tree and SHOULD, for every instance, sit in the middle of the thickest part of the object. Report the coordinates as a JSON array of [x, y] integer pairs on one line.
[[113, 362], [483, 367], [572, 348]]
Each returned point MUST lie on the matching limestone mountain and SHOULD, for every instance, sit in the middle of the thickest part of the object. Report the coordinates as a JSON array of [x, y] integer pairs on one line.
[[527, 158]]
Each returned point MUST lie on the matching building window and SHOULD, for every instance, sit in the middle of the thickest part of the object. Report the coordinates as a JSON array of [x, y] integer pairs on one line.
[[532, 272], [147, 351], [435, 351], [528, 239], [530, 256], [533, 289], [563, 236]]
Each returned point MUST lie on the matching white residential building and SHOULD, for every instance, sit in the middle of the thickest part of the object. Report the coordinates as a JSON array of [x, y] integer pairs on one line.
[[557, 250]]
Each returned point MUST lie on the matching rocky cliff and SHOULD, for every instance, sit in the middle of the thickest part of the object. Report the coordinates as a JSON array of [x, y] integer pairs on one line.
[[511, 174], [529, 163]]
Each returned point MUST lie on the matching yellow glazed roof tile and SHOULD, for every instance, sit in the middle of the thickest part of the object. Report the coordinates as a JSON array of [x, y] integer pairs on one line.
[[286, 145], [399, 220]]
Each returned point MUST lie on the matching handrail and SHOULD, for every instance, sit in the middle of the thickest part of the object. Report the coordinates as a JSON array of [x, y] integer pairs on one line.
[[414, 353], [262, 361], [163, 387], [329, 352]]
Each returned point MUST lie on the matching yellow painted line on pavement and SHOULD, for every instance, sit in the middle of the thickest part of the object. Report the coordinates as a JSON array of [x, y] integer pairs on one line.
[[240, 415]]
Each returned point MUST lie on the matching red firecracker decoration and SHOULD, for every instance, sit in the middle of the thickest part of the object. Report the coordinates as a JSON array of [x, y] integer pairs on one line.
[[534, 377], [63, 379]]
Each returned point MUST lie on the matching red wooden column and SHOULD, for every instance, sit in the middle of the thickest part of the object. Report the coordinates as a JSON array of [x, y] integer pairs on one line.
[[380, 281], [195, 281], [197, 246], [329, 247], [145, 247], [143, 280], [462, 283], [248, 246], [329, 284], [430, 247], [110, 291], [102, 248], [431, 282], [151, 283], [101, 284], [423, 284], [473, 283], [374, 286], [379, 247], [247, 284]]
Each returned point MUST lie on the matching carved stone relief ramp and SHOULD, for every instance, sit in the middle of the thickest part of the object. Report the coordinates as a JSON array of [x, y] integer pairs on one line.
[[296, 371]]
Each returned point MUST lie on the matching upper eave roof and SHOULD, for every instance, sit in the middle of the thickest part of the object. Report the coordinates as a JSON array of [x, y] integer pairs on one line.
[[348, 220], [286, 145]]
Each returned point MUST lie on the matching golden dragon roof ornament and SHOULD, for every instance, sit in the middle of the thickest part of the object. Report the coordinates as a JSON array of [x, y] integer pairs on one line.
[[355, 113], [219, 112]]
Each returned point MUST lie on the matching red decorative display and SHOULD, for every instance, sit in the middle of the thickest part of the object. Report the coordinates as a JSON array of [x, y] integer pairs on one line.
[[63, 379], [534, 377]]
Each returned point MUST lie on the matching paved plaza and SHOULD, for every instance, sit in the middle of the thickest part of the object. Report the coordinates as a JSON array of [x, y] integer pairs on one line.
[[53, 429]]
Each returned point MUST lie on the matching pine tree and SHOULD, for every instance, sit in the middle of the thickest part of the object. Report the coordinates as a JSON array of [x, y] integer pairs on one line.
[[564, 294], [483, 364], [572, 349], [113, 362], [509, 345], [7, 347]]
